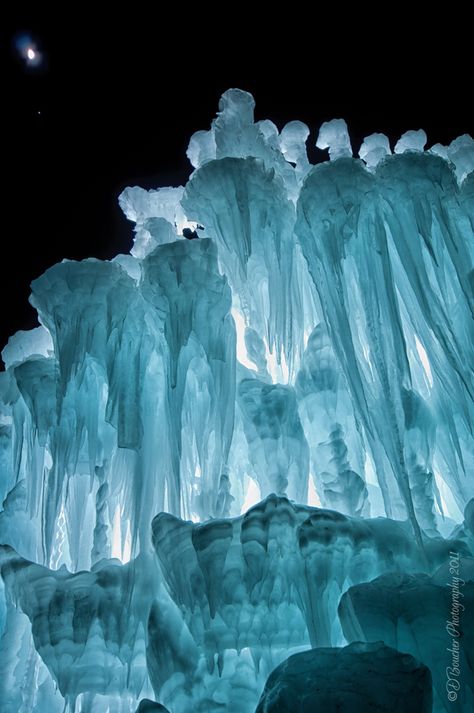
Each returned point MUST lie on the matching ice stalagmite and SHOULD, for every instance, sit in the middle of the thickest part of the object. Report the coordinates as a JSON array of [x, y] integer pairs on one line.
[[236, 464]]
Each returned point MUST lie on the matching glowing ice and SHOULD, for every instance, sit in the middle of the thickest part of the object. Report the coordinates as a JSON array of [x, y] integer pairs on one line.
[[162, 431]]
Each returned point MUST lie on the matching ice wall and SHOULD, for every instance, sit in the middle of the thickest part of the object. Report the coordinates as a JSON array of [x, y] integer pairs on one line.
[[168, 429]]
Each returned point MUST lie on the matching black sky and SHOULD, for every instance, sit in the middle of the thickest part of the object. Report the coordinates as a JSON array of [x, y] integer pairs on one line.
[[119, 99]]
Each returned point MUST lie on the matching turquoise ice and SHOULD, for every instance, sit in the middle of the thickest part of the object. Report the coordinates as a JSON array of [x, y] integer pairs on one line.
[[223, 451]]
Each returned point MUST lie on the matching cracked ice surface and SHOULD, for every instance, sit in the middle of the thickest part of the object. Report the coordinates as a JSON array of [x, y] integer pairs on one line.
[[314, 344]]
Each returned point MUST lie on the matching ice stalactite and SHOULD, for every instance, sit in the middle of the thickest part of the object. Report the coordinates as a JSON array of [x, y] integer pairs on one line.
[[342, 232], [182, 283], [330, 427], [278, 449], [246, 212]]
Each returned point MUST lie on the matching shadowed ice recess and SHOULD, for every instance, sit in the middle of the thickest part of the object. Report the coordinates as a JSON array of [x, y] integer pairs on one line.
[[217, 453]]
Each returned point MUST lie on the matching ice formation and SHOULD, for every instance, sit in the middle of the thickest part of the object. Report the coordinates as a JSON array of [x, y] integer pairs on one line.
[[218, 453], [363, 677]]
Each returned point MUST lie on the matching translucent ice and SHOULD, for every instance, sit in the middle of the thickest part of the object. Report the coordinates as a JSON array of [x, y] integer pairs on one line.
[[330, 425], [266, 584], [24, 344], [158, 216], [333, 135], [374, 148], [246, 212], [460, 152], [293, 145], [219, 452], [278, 448], [88, 628], [411, 141]]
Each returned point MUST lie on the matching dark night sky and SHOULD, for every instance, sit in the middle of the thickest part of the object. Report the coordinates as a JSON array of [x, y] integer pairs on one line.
[[119, 101]]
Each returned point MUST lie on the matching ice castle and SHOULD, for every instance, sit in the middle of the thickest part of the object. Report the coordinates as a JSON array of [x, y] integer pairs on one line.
[[237, 464]]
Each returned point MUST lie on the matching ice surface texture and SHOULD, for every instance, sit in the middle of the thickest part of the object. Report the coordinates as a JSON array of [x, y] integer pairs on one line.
[[216, 452], [355, 679]]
